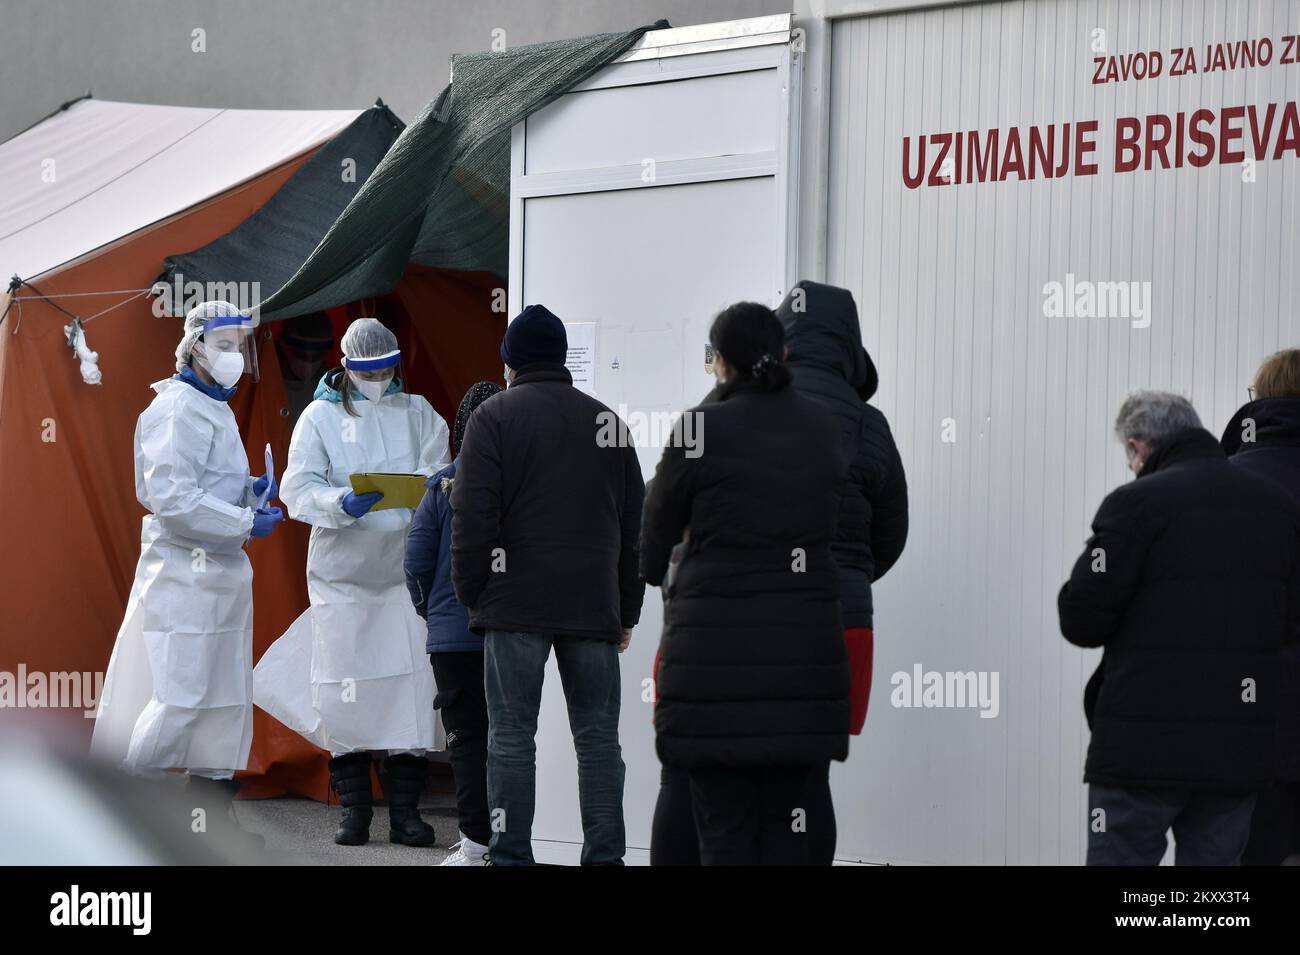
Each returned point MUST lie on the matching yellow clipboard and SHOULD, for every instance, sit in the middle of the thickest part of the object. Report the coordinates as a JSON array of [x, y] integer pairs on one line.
[[399, 490]]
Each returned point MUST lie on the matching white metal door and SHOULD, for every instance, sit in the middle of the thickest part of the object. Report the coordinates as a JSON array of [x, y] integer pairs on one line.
[[643, 202]]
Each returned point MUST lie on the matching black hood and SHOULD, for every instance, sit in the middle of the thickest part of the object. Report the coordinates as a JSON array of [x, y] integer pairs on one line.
[[1277, 422], [824, 332]]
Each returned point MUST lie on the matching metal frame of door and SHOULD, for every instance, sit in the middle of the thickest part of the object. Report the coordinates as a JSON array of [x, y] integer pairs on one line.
[[664, 56]]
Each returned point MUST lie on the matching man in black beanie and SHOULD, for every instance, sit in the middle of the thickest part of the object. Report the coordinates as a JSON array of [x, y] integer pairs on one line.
[[547, 516]]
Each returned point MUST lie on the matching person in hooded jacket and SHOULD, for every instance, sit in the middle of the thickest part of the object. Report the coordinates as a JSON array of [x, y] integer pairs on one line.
[[829, 364], [1263, 438], [753, 678]]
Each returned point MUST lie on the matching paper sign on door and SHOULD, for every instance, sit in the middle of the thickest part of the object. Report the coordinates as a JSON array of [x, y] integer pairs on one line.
[[581, 360]]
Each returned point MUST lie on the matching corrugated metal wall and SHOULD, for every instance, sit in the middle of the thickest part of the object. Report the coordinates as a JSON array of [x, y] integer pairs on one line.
[[950, 284]]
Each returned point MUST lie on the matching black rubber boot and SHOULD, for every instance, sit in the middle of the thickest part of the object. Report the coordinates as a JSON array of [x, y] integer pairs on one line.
[[350, 777], [406, 776]]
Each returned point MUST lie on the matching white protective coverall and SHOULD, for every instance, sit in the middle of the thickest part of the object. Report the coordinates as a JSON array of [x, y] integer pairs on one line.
[[351, 673], [178, 692]]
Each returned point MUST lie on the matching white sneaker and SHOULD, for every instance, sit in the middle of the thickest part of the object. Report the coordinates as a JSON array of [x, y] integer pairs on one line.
[[466, 852]]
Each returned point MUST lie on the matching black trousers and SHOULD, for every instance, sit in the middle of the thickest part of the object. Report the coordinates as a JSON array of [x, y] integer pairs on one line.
[[1274, 826], [674, 839], [1129, 826], [752, 816], [463, 705]]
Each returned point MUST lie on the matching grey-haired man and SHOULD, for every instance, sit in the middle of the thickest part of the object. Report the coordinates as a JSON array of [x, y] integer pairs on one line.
[[1191, 584]]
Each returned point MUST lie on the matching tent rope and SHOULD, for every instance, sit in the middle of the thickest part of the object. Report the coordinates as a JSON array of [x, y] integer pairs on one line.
[[14, 283], [117, 291], [40, 296], [104, 311]]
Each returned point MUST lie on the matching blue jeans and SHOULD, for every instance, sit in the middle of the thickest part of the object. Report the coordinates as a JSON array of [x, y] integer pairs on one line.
[[1210, 828], [514, 665]]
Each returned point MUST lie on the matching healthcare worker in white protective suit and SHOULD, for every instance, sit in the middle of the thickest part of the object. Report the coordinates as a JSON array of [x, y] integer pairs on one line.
[[370, 686], [178, 692]]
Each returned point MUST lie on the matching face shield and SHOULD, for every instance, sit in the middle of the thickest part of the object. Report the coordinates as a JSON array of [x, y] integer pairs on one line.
[[372, 376], [228, 348]]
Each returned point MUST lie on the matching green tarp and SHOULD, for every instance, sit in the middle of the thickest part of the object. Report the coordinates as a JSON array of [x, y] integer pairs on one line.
[[271, 245], [441, 195]]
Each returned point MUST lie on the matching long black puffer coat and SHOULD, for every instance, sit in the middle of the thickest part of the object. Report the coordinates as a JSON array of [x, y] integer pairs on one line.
[[830, 365], [753, 669]]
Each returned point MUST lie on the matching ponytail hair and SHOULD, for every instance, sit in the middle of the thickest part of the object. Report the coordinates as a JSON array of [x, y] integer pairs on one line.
[[751, 339]]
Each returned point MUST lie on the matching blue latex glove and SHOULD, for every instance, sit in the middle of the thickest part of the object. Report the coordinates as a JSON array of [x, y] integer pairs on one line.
[[265, 519], [259, 485], [355, 505]]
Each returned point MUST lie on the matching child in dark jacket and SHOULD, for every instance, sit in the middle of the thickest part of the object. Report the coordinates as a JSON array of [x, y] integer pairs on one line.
[[455, 652]]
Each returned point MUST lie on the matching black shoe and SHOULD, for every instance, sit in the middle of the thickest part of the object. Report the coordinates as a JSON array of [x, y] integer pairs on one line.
[[350, 777], [406, 776]]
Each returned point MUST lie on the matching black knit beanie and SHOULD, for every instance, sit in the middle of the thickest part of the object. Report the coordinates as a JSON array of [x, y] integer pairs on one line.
[[535, 335]]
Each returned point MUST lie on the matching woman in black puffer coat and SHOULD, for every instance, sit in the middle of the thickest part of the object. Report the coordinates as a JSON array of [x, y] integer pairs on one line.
[[753, 679], [1264, 438]]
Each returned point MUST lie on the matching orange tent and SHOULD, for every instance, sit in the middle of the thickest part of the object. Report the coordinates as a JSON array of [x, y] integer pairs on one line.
[[67, 495]]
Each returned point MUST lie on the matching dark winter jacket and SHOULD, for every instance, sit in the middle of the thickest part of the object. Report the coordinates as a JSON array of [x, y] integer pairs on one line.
[[830, 365], [547, 512], [1274, 453], [428, 570], [753, 669], [1191, 583]]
